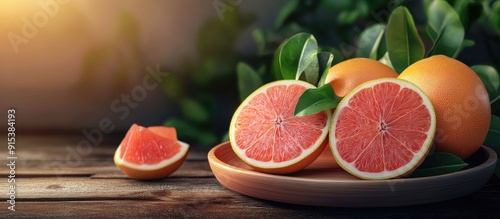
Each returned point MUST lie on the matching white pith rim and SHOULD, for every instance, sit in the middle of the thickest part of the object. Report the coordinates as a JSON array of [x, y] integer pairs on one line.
[[350, 167], [184, 147], [271, 164]]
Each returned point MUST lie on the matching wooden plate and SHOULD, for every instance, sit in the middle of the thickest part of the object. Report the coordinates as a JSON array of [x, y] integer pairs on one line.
[[321, 185]]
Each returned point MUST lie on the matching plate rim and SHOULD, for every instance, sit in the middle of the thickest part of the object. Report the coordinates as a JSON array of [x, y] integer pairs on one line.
[[214, 160]]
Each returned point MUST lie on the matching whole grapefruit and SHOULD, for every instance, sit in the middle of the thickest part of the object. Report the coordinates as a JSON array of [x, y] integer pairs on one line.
[[460, 101], [350, 73]]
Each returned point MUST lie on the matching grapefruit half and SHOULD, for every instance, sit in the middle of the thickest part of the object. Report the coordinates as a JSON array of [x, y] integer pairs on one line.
[[266, 135], [382, 129], [150, 153]]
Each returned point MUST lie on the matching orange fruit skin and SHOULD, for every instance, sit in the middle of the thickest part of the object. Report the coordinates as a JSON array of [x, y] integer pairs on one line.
[[152, 174], [460, 101], [346, 75]]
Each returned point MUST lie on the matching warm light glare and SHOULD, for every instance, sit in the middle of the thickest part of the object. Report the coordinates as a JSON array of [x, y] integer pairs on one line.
[[64, 60], [13, 8]]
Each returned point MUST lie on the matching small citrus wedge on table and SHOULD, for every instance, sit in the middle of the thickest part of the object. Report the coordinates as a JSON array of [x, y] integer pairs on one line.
[[382, 129], [150, 153], [266, 135]]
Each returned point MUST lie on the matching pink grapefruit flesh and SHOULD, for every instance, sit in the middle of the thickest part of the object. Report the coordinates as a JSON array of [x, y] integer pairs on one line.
[[150, 153], [266, 135], [382, 129]]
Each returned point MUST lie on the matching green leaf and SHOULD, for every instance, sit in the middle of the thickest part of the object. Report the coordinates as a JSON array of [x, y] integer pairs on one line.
[[259, 37], [357, 9], [439, 163], [382, 47], [403, 42], [495, 105], [444, 28], [495, 16], [386, 60], [495, 123], [490, 78], [248, 80], [194, 111], [315, 100], [347, 17], [285, 12], [325, 60], [468, 11], [294, 55], [369, 41], [337, 55], [493, 138], [311, 73], [276, 63]]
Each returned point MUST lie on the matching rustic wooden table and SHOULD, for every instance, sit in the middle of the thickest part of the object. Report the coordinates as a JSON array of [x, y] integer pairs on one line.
[[56, 177]]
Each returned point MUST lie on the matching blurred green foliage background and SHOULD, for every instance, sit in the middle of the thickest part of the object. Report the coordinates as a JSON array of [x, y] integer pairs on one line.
[[87, 55], [208, 90]]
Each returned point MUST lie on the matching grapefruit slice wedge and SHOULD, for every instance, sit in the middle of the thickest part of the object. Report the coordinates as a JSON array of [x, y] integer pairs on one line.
[[266, 135], [382, 129], [150, 153]]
